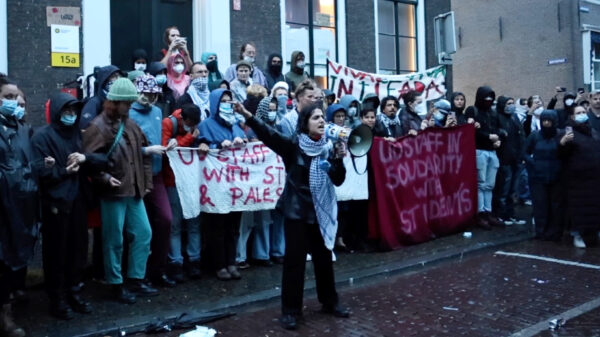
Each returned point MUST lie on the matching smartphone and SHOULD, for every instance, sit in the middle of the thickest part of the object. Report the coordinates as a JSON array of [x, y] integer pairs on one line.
[[568, 129], [580, 90]]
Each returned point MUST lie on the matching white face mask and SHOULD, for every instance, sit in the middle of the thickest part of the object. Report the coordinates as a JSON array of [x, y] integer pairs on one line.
[[139, 66], [352, 111], [249, 59], [538, 111], [300, 64], [178, 68], [569, 101]]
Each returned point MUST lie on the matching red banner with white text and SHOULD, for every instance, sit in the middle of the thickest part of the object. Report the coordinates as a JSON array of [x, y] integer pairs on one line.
[[424, 186]]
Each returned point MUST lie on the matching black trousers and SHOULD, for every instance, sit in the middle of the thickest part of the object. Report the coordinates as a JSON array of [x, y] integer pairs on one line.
[[9, 281], [548, 210], [64, 248], [222, 233], [302, 238]]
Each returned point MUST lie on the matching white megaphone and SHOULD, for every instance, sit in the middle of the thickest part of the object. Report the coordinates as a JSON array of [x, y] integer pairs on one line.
[[358, 141]]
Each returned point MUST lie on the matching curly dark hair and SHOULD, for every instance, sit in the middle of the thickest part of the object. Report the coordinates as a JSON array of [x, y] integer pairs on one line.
[[304, 116], [409, 97]]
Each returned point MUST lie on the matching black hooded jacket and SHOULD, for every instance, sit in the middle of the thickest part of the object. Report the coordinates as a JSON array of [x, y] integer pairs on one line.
[[93, 107], [511, 134], [273, 74], [59, 188], [486, 117]]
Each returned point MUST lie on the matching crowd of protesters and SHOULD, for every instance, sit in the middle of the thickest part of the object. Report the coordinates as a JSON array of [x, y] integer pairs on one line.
[[102, 164]]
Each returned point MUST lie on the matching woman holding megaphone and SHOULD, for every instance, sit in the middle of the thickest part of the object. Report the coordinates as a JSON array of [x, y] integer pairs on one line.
[[308, 203]]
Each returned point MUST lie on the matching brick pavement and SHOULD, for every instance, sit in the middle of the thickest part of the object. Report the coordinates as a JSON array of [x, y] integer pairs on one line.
[[258, 286], [484, 295]]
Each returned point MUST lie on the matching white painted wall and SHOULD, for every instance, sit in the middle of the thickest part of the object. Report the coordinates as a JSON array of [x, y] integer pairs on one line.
[[3, 38], [96, 34], [421, 45], [207, 15]]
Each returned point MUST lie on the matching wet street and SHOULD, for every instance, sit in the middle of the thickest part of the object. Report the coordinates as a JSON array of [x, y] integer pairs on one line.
[[511, 291]]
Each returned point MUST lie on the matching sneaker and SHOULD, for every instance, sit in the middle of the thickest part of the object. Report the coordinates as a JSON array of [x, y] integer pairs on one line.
[[527, 202], [507, 222], [243, 265], [519, 222], [235, 274], [308, 257], [482, 221], [223, 275], [578, 241]]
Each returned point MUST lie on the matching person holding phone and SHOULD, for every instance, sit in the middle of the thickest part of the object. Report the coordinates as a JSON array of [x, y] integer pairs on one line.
[[175, 45], [569, 102], [580, 150], [308, 228]]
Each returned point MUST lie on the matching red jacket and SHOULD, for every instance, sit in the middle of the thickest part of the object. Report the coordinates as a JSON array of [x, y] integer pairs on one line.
[[184, 139]]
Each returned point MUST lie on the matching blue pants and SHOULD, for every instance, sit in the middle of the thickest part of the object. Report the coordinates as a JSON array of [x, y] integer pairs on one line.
[[192, 226], [487, 166], [259, 222], [125, 216]]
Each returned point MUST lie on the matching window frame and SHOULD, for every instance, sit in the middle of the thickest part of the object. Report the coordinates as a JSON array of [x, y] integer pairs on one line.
[[397, 35], [311, 43]]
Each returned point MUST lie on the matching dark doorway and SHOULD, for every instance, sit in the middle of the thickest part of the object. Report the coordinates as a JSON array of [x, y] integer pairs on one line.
[[141, 24]]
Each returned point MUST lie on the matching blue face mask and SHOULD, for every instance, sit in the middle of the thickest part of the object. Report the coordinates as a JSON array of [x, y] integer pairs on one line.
[[272, 115], [161, 79], [438, 116], [581, 118], [226, 113], [8, 107], [19, 112], [68, 120]]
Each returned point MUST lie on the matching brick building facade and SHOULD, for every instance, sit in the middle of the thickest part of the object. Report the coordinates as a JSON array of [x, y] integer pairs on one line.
[[506, 44]]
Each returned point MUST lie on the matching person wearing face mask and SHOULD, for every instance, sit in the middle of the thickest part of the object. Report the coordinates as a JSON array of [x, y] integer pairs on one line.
[[580, 150], [166, 101], [182, 126], [280, 93], [569, 102], [352, 107], [487, 140], [439, 116], [212, 64], [121, 189], [297, 74], [222, 130], [149, 118], [509, 155], [532, 122], [241, 83], [105, 77], [411, 120], [197, 93], [388, 123], [177, 78], [247, 54], [139, 60], [273, 73], [308, 228], [21, 110], [545, 170], [63, 189], [18, 200]]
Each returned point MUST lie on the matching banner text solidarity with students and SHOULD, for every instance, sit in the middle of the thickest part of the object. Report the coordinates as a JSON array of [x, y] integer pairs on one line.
[[425, 186]]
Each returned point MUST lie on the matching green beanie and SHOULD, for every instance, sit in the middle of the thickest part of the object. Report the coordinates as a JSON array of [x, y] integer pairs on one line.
[[122, 90]]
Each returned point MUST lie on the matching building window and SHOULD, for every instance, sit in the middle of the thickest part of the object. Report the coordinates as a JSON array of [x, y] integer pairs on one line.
[[595, 61], [397, 36], [310, 26]]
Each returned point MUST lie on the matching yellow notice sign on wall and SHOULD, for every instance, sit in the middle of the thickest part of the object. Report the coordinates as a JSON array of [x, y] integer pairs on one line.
[[65, 60], [64, 42]]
